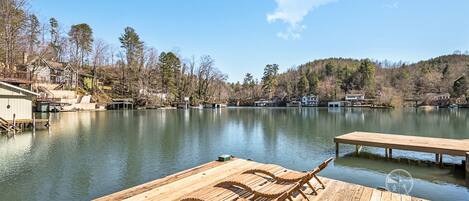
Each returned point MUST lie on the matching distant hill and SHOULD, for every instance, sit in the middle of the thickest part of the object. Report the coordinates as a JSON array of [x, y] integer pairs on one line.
[[332, 78]]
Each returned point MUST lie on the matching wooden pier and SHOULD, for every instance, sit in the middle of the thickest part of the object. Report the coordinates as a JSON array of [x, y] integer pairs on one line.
[[18, 125], [179, 185], [437, 146]]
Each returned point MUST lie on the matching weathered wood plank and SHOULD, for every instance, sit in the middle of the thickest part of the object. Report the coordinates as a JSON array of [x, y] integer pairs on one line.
[[410, 143], [376, 195], [179, 188], [121, 195], [366, 195], [200, 181]]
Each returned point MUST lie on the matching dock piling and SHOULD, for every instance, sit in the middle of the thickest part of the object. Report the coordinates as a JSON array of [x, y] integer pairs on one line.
[[358, 149], [14, 123], [440, 161], [467, 165], [34, 121], [337, 150]]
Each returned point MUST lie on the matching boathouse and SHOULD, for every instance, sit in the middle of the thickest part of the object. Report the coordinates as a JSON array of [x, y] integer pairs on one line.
[[15, 102]]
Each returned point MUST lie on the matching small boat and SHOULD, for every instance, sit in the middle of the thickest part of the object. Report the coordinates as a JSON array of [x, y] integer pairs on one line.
[[428, 108], [453, 106], [200, 106], [294, 104]]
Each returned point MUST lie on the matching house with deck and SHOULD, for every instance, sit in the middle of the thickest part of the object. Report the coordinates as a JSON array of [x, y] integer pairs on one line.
[[309, 101], [49, 72], [436, 99]]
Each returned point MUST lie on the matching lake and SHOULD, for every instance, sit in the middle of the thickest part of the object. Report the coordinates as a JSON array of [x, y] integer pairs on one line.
[[85, 155]]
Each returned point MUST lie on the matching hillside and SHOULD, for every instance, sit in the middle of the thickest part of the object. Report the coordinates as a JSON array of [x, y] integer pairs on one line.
[[332, 78]]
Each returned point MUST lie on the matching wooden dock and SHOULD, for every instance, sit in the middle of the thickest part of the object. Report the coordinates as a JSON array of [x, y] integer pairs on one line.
[[438, 146], [179, 185], [19, 125]]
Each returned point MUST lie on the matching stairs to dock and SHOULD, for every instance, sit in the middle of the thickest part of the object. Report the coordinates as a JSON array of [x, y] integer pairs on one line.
[[5, 126], [46, 91]]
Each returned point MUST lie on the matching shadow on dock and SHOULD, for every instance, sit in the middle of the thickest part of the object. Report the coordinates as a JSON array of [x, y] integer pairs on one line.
[[420, 169]]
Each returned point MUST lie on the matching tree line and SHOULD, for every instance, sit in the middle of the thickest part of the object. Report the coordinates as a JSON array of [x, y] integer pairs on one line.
[[132, 70], [386, 82], [137, 70]]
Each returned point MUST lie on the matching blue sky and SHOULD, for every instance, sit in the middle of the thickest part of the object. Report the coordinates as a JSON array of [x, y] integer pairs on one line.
[[245, 35]]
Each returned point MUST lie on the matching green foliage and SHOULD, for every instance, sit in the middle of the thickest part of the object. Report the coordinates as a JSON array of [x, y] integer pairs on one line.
[[446, 72], [249, 81], [367, 72], [81, 35], [313, 83], [303, 85], [88, 83], [133, 46], [81, 38], [55, 37], [169, 66], [460, 87], [329, 69], [54, 30], [34, 29], [269, 80]]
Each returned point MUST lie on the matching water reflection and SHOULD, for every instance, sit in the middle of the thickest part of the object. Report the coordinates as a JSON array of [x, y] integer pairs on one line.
[[90, 154]]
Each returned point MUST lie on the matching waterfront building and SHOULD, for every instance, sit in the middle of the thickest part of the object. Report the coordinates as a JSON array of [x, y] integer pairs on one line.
[[15, 102], [310, 100]]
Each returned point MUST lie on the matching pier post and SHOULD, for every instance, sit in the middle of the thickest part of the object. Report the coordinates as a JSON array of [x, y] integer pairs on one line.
[[386, 152], [48, 120], [14, 123], [337, 150], [390, 153], [437, 158], [441, 161], [467, 166], [34, 121], [358, 149]]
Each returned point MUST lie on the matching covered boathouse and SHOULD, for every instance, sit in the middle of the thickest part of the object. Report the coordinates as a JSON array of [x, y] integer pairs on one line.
[[15, 102]]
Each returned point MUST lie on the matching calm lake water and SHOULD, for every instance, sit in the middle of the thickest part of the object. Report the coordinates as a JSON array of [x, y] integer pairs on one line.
[[86, 155]]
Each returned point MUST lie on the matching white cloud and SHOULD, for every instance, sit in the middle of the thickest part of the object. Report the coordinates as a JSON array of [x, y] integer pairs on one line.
[[292, 12], [392, 5]]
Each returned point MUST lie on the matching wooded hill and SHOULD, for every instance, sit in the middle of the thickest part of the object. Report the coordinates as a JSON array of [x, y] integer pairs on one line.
[[388, 83]]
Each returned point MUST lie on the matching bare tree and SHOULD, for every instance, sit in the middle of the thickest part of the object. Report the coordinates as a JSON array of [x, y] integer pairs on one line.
[[207, 76], [99, 55], [13, 19]]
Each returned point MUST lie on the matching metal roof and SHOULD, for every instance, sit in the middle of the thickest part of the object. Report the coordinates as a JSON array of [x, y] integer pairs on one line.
[[18, 88]]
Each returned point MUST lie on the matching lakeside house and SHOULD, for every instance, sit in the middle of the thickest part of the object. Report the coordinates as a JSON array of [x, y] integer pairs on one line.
[[339, 104], [15, 102], [436, 99], [310, 101], [43, 71]]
